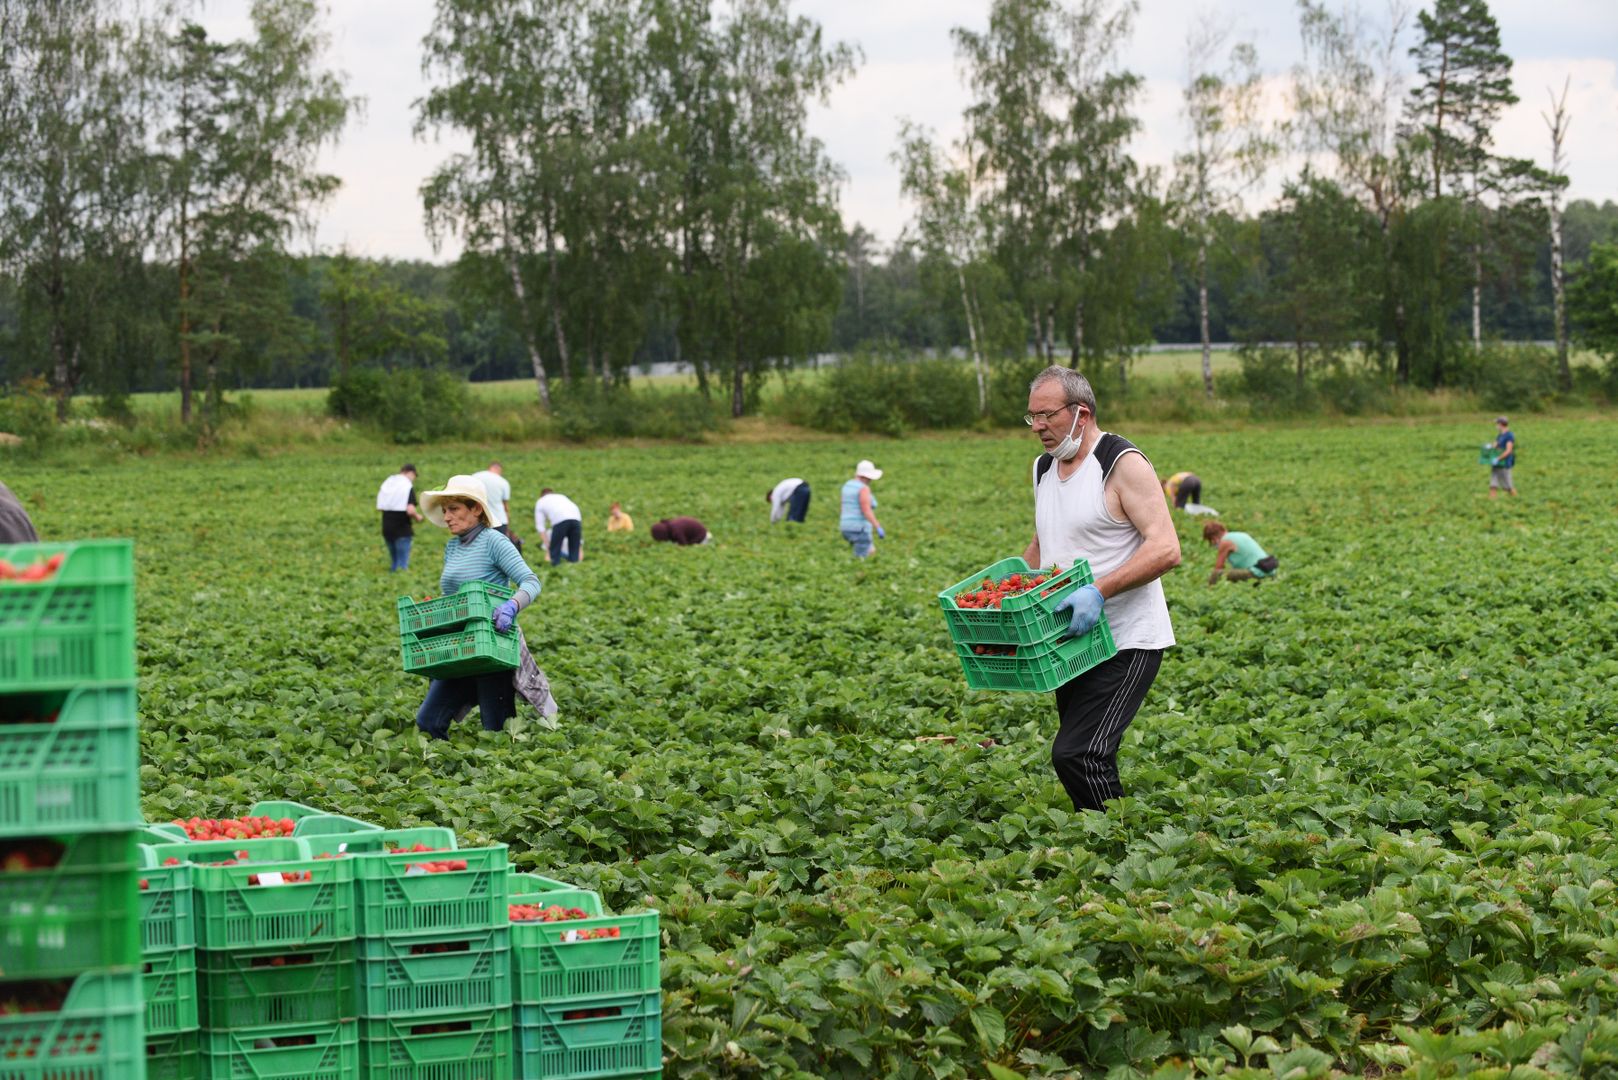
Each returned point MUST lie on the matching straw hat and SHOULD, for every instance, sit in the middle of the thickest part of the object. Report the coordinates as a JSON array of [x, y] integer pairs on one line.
[[469, 488]]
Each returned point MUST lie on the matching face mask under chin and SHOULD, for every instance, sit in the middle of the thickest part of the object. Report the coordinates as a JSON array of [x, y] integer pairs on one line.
[[1068, 448]]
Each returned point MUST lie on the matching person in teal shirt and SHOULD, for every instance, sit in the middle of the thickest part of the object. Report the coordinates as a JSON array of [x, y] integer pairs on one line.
[[858, 518], [1239, 557]]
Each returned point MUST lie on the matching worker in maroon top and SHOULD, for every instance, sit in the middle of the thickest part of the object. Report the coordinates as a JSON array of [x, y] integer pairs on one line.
[[681, 530]]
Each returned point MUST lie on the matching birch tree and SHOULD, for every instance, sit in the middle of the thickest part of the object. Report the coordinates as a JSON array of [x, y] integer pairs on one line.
[[1230, 146], [950, 229], [1556, 180]]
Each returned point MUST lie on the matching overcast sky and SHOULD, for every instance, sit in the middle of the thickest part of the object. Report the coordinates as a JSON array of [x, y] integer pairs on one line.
[[910, 71]]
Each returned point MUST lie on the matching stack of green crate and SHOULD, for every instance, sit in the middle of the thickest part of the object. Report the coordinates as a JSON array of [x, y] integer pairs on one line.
[[589, 1002], [69, 808], [452, 636], [274, 957], [433, 954]]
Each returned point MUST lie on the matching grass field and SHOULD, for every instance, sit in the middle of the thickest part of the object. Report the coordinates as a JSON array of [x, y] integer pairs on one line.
[[1369, 826]]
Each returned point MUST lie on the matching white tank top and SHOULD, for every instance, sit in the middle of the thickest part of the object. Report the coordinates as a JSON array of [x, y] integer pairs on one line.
[[1071, 521]]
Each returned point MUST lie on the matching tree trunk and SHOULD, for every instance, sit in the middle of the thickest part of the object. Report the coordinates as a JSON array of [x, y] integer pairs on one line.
[[1477, 297], [1202, 316], [1078, 333], [1297, 344], [185, 315], [972, 336], [529, 339], [553, 301], [62, 367], [1050, 333], [1558, 291], [738, 389]]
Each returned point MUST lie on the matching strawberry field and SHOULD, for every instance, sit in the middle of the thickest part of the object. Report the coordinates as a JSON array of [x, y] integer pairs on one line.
[[1371, 823]]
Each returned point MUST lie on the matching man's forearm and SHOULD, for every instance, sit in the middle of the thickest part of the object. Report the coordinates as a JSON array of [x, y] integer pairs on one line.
[[1030, 554]]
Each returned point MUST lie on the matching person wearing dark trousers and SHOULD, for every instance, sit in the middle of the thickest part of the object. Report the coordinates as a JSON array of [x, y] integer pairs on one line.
[[560, 525], [396, 498], [1096, 497], [789, 500]]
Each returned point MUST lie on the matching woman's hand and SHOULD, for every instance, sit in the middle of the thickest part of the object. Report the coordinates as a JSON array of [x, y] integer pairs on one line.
[[505, 615]]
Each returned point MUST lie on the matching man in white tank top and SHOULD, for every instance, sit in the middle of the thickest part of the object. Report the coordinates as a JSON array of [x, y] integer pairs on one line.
[[1096, 497]]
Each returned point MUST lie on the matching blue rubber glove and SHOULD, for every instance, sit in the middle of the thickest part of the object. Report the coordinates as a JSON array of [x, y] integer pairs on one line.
[[505, 615], [881, 533], [1085, 604]]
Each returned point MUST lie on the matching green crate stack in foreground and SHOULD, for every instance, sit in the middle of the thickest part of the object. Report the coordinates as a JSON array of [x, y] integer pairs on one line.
[[434, 959], [1039, 655], [69, 810], [452, 636], [274, 954], [587, 1006]]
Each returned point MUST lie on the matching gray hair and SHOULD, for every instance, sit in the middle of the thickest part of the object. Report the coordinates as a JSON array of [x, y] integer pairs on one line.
[[1075, 387]]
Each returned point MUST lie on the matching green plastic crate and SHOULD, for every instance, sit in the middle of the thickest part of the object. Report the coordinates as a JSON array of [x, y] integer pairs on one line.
[[1487, 453], [273, 987], [1027, 619], [477, 650], [76, 915], [600, 1038], [78, 773], [393, 899], [233, 913], [1039, 668], [78, 626], [308, 821], [169, 983], [382, 841], [568, 896], [167, 919], [154, 833], [472, 1045], [414, 976], [95, 1035], [291, 1052], [549, 968], [174, 1057], [527, 882], [197, 852], [473, 600]]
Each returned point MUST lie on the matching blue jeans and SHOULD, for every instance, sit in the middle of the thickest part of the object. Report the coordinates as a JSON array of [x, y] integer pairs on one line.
[[798, 504], [493, 694], [566, 534], [399, 553], [860, 538]]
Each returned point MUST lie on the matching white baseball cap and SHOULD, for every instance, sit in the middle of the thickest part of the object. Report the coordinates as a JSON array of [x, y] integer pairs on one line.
[[868, 471]]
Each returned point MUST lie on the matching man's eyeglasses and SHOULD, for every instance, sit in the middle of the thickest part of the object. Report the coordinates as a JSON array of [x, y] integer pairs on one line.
[[1046, 417]]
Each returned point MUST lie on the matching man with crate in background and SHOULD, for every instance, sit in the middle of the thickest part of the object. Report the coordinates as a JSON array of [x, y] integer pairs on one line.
[[1096, 497]]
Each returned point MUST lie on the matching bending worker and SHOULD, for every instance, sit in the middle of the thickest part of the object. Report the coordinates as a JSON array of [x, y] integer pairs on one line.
[[1239, 556]]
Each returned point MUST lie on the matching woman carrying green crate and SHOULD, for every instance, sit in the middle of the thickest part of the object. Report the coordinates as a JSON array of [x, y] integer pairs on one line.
[[475, 552]]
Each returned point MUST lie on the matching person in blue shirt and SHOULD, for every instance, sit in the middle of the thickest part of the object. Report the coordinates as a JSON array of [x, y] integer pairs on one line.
[[1505, 456], [858, 518]]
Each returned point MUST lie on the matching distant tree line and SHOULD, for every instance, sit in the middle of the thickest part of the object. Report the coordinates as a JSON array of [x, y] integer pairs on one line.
[[642, 186]]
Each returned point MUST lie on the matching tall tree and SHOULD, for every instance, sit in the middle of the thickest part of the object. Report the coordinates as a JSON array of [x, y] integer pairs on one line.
[[1556, 180], [949, 230], [509, 79], [257, 114], [1097, 182], [1466, 84], [73, 173], [1230, 147], [1346, 95]]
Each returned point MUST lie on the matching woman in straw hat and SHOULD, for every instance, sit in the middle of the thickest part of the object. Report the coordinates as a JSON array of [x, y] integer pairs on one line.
[[475, 552]]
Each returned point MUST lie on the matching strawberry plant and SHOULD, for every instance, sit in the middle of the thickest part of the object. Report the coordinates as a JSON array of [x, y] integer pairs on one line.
[[1368, 824]]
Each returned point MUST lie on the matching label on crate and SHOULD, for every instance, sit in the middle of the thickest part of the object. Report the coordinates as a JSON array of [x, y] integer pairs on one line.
[[271, 877]]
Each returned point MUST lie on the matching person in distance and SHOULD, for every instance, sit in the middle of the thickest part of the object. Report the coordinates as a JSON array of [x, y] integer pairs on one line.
[[1238, 556], [684, 531], [858, 519], [789, 499]]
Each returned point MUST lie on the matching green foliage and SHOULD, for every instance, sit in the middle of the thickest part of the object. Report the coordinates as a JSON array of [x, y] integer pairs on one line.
[[28, 410], [1508, 377], [885, 395], [584, 410], [1369, 819], [1593, 304], [409, 405], [1269, 381]]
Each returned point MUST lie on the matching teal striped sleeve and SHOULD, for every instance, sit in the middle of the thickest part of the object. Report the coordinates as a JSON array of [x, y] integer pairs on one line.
[[511, 563]]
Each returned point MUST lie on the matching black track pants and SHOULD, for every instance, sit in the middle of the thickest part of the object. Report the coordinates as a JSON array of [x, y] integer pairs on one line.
[[1095, 708]]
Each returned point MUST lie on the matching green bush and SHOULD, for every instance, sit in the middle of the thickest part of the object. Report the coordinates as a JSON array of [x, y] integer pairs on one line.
[[1269, 381], [409, 405], [585, 409], [1508, 377], [889, 396], [28, 410]]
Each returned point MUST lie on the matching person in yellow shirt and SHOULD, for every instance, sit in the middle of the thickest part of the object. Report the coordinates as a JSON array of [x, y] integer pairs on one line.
[[618, 521], [1184, 489]]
